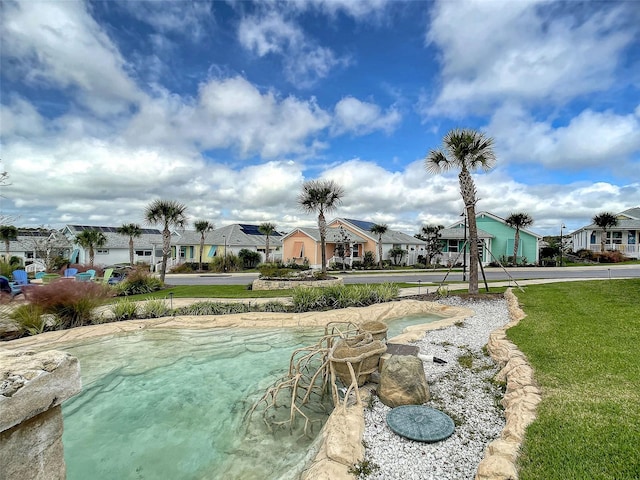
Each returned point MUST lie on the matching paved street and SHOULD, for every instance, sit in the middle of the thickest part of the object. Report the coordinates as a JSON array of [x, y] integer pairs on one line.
[[426, 277]]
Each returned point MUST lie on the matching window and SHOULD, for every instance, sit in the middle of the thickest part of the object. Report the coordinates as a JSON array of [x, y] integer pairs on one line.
[[593, 237], [143, 253], [614, 237], [102, 252], [453, 246], [631, 237]]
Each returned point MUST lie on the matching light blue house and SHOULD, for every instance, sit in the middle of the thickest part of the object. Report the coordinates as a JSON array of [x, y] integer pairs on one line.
[[498, 238]]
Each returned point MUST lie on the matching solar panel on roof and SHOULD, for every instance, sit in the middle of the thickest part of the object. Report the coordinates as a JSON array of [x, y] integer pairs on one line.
[[361, 224]]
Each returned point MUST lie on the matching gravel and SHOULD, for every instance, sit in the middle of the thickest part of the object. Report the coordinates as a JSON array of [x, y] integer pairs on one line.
[[465, 393]]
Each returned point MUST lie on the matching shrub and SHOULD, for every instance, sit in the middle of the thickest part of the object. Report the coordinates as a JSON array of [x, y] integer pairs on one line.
[[274, 270], [250, 258], [138, 282], [71, 302], [369, 260], [233, 263], [30, 318], [213, 308], [322, 298], [186, 268], [155, 308], [610, 257], [124, 309]]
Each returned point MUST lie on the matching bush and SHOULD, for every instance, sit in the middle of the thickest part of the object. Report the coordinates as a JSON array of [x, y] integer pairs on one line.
[[71, 302], [250, 258], [155, 308], [185, 268], [138, 282], [233, 263], [213, 308], [275, 270], [30, 318], [124, 309], [369, 260], [609, 257], [322, 298]]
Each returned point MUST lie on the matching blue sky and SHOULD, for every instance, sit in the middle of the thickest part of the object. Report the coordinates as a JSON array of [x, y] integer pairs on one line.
[[228, 107]]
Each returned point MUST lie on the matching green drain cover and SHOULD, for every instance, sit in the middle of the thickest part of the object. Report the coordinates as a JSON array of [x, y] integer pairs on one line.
[[420, 423]]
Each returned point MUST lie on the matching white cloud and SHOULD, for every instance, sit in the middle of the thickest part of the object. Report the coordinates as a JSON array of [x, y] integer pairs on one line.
[[59, 44], [360, 9], [361, 118], [526, 50], [230, 113], [304, 61], [590, 139], [187, 18]]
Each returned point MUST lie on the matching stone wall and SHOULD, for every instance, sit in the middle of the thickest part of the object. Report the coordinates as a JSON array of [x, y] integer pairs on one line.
[[283, 284], [32, 388]]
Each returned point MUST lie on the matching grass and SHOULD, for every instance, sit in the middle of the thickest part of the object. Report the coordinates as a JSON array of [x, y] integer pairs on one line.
[[582, 340], [212, 291]]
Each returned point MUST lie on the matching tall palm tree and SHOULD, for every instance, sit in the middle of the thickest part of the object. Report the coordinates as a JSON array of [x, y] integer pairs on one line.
[[467, 150], [518, 220], [202, 227], [168, 213], [322, 196], [267, 229], [605, 221], [379, 229], [8, 233], [91, 239], [131, 230]]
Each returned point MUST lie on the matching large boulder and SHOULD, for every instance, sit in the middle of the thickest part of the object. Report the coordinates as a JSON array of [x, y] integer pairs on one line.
[[403, 382]]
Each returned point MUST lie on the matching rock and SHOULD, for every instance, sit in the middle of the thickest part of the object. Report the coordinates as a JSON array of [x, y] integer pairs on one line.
[[9, 329], [403, 382]]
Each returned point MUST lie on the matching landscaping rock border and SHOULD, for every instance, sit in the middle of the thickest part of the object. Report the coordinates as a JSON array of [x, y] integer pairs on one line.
[[520, 400]]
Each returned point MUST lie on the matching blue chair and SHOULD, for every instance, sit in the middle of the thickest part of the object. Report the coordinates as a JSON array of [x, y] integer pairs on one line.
[[20, 277], [92, 272], [83, 277], [40, 274], [12, 288], [70, 272]]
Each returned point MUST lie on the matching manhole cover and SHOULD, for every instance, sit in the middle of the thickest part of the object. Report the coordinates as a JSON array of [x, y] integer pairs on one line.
[[420, 423]]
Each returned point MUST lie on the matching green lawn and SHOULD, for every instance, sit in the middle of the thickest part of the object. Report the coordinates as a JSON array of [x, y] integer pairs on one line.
[[583, 341]]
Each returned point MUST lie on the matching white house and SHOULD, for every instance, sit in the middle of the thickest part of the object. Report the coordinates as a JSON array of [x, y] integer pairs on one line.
[[624, 237]]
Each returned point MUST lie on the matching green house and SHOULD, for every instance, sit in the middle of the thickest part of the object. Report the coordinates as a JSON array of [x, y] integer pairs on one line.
[[498, 238]]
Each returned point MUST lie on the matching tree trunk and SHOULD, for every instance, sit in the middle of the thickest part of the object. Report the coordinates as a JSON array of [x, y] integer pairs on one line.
[[267, 252], [201, 248], [131, 251], [91, 255], [468, 192], [166, 249], [322, 226], [516, 241], [380, 252]]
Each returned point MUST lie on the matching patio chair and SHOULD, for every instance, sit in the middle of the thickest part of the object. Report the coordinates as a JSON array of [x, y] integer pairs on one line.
[[12, 288], [92, 272], [20, 277], [83, 277], [39, 275], [70, 272], [107, 275]]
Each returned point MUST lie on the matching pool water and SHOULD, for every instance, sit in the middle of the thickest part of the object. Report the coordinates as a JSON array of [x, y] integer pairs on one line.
[[170, 405], [397, 325]]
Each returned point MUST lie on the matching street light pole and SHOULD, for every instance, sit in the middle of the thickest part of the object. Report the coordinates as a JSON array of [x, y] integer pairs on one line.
[[561, 242], [464, 248], [224, 254]]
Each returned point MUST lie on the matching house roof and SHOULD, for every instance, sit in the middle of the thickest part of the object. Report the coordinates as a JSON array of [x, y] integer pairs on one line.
[[333, 235], [460, 223], [28, 239], [389, 237], [457, 233], [631, 222], [235, 235]]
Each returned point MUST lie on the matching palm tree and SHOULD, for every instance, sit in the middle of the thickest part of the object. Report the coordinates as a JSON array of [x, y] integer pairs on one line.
[[321, 196], [8, 233], [267, 229], [91, 239], [167, 213], [379, 229], [605, 220], [132, 230], [467, 150], [202, 227], [518, 220]]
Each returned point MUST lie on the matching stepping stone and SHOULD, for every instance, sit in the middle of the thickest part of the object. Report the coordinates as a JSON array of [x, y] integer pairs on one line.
[[420, 423]]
